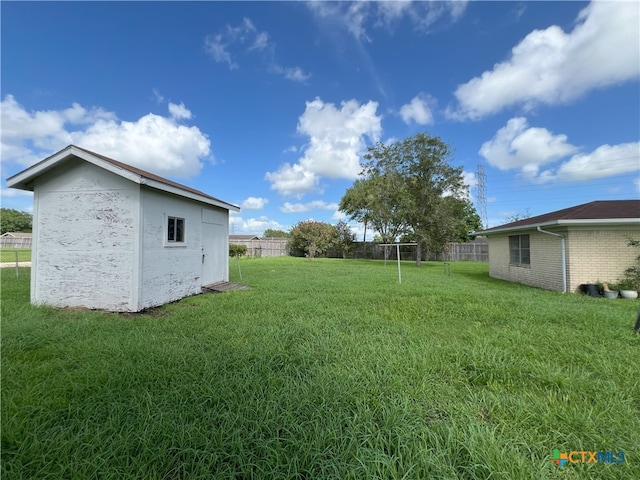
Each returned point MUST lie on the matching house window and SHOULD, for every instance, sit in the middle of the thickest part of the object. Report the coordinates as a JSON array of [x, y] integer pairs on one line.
[[519, 252], [175, 230]]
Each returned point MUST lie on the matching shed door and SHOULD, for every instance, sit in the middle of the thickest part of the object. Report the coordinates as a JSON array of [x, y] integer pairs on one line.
[[212, 253]]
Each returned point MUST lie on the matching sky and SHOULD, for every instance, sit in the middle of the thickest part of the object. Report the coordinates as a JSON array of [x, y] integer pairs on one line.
[[271, 105]]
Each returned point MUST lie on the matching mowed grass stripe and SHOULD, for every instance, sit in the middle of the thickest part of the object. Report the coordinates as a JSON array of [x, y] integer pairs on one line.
[[324, 369]]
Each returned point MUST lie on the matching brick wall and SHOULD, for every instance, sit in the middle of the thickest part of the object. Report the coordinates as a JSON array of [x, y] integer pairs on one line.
[[593, 255], [545, 268], [599, 255]]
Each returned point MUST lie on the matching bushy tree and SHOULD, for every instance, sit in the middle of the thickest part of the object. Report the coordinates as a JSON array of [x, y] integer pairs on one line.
[[344, 238], [236, 250], [410, 187], [310, 238], [375, 201], [14, 221], [271, 233]]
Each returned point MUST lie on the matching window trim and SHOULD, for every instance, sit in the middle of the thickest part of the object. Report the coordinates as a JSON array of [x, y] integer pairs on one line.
[[168, 219], [520, 261]]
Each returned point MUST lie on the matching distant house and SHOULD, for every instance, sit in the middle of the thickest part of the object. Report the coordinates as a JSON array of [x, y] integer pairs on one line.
[[242, 238], [110, 236], [563, 249], [16, 239]]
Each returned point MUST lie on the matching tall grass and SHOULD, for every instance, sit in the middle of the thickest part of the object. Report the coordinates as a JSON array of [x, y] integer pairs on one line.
[[324, 369]]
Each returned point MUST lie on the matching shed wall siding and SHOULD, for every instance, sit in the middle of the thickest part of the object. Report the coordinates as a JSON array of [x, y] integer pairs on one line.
[[544, 270], [599, 255], [173, 272], [86, 238]]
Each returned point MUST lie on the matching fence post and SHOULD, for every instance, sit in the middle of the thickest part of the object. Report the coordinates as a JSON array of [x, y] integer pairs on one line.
[[17, 270]]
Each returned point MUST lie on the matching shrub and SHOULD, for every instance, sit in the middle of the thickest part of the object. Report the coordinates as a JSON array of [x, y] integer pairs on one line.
[[237, 250]]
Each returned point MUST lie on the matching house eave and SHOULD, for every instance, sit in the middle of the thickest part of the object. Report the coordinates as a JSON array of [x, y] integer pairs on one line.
[[604, 222]]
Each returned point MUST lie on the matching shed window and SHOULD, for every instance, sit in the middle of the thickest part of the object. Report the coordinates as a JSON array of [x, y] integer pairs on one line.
[[175, 230], [519, 252]]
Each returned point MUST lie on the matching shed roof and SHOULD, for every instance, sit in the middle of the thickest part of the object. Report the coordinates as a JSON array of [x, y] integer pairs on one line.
[[24, 180], [599, 212]]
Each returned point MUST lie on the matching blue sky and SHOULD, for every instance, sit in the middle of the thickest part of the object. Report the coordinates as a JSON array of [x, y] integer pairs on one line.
[[271, 105]]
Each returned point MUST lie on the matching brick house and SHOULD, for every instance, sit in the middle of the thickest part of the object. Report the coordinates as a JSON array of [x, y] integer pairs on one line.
[[563, 249]]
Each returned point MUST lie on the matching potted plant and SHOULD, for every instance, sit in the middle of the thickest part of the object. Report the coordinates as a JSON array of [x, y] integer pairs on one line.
[[608, 292], [630, 283], [627, 289]]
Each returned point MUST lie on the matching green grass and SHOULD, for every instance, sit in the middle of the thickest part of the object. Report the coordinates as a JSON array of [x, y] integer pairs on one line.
[[9, 254], [324, 369]]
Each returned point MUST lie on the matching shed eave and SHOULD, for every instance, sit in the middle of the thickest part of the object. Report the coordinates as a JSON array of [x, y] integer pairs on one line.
[[24, 180], [184, 193]]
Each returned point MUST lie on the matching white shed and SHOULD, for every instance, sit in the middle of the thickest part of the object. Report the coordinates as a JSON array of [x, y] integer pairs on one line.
[[113, 237]]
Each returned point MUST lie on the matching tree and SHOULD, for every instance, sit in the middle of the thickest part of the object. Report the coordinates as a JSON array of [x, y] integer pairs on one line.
[[344, 239], [14, 221], [374, 200], [471, 223], [310, 238], [272, 233], [428, 193]]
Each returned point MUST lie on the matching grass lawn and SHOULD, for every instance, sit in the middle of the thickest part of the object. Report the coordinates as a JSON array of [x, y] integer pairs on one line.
[[9, 254], [324, 369]]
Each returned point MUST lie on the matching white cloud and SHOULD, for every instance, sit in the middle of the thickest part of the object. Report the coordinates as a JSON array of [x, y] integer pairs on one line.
[[245, 39], [356, 17], [295, 74], [305, 207], [418, 110], [551, 66], [636, 182], [179, 112], [293, 180], [153, 142], [254, 203], [215, 46], [252, 226], [604, 161], [157, 96], [336, 142], [517, 145]]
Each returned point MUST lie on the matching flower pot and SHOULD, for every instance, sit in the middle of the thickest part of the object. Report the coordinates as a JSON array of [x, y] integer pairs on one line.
[[610, 294], [629, 294], [590, 289]]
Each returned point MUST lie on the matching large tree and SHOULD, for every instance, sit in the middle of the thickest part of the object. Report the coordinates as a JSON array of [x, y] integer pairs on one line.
[[14, 221], [428, 193], [373, 200]]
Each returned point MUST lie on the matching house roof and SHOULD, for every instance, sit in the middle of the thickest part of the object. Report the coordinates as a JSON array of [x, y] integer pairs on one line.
[[600, 212], [241, 238], [24, 180], [17, 234]]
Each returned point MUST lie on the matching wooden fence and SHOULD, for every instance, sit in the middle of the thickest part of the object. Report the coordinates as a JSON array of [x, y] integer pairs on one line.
[[15, 242], [476, 251], [265, 247]]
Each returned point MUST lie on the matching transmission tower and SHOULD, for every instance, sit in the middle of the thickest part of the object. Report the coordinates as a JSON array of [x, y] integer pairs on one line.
[[481, 195]]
